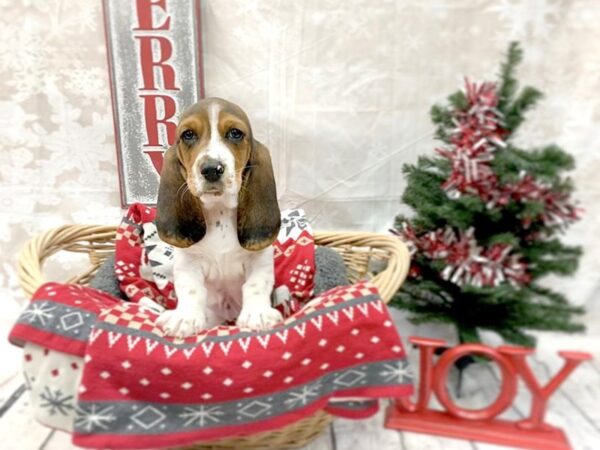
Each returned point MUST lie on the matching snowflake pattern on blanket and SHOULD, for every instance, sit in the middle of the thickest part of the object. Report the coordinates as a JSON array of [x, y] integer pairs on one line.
[[119, 382], [141, 389]]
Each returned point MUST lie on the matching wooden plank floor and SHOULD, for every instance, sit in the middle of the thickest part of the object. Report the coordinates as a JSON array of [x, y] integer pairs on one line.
[[575, 407]]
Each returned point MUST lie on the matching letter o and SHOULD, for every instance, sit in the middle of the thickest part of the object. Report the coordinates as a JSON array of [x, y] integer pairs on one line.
[[508, 388]]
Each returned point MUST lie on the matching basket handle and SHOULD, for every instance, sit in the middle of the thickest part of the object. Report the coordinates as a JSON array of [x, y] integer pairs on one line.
[[75, 238]]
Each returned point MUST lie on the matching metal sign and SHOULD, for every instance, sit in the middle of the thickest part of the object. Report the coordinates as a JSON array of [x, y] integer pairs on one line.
[[155, 63]]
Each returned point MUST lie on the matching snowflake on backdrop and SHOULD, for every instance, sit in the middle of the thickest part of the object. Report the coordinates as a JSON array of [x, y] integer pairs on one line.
[[38, 312], [399, 372], [87, 82], [16, 122], [92, 417], [522, 19], [55, 401], [27, 83], [88, 161], [9, 282], [413, 42], [304, 396], [81, 17], [63, 145], [23, 52], [201, 415], [17, 208], [97, 209], [88, 16]]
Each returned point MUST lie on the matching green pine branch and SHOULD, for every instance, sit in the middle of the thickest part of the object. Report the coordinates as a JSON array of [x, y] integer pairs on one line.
[[508, 83], [514, 113], [511, 311], [545, 164]]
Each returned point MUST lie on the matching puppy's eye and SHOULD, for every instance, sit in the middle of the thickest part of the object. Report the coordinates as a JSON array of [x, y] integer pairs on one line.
[[234, 135], [188, 136]]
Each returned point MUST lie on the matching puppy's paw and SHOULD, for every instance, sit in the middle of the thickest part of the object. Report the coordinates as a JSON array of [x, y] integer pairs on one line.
[[180, 324], [259, 319]]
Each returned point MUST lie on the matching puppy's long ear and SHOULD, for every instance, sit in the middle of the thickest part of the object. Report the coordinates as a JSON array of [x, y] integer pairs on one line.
[[258, 217], [179, 216]]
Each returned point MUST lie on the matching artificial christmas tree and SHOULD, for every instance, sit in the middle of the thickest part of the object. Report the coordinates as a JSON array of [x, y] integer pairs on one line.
[[487, 215]]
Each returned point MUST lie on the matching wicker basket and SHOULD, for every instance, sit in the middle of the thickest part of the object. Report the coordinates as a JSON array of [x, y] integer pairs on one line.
[[359, 251]]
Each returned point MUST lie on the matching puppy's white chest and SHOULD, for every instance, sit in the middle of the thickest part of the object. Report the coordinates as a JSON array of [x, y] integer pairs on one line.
[[218, 257], [224, 270], [221, 237]]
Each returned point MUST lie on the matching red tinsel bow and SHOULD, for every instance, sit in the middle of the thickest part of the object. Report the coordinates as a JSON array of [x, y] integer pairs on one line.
[[466, 262], [557, 210], [479, 131]]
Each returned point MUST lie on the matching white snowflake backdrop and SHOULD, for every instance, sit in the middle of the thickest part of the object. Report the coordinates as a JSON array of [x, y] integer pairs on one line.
[[338, 90]]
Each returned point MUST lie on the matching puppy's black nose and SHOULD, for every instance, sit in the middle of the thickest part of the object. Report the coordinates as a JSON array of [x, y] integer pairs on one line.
[[212, 170]]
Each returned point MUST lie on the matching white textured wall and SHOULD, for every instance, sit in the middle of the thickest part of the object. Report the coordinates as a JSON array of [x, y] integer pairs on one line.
[[338, 90]]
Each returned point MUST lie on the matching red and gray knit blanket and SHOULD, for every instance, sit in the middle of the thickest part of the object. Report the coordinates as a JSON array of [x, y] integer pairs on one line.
[[142, 389]]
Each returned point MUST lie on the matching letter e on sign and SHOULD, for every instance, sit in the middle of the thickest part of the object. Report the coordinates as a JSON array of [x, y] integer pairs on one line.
[[155, 66]]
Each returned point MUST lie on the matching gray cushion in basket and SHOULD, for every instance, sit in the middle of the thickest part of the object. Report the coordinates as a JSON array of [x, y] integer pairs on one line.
[[330, 272]]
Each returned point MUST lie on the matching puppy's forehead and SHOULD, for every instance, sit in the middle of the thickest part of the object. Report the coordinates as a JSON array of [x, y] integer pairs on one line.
[[212, 109]]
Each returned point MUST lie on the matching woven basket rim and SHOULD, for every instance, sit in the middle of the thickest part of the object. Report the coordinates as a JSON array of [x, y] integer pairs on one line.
[[97, 241]]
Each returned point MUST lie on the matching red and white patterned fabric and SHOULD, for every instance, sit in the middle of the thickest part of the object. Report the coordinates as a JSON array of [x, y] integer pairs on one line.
[[144, 263], [140, 388], [143, 389]]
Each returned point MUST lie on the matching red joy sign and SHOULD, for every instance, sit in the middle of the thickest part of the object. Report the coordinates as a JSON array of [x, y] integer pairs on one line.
[[458, 422]]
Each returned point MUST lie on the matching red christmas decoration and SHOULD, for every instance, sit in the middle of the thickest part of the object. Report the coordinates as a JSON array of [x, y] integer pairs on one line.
[[466, 262], [558, 211], [479, 132], [482, 424], [486, 215]]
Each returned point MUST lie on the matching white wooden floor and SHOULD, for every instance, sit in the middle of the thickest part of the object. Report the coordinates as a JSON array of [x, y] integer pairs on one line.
[[575, 406]]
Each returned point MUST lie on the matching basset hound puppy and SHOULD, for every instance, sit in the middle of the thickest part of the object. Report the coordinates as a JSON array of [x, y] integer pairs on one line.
[[217, 205]]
